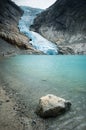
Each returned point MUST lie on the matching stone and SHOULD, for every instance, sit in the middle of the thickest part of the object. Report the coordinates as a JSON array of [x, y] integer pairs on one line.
[[52, 106]]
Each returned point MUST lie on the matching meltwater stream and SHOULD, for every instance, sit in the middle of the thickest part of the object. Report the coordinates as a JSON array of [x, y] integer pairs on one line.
[[37, 40]]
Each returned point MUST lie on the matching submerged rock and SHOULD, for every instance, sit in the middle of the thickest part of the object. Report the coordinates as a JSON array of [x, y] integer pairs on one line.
[[52, 106]]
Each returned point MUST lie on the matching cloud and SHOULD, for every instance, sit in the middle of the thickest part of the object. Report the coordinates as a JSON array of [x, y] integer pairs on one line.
[[35, 3]]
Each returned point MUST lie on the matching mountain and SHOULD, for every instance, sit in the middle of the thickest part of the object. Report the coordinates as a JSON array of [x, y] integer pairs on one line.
[[65, 24], [10, 15]]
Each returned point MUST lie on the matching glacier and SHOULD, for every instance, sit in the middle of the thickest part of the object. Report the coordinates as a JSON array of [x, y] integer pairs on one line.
[[37, 41]]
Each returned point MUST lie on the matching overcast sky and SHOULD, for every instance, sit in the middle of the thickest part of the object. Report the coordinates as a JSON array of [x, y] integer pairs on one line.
[[35, 3]]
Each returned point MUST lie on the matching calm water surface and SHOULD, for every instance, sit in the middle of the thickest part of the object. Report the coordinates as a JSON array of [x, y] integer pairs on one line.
[[34, 76]]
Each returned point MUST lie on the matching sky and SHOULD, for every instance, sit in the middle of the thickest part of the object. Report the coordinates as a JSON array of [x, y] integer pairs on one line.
[[43, 4]]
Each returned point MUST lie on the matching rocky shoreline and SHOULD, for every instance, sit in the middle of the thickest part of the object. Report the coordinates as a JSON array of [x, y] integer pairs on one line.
[[13, 112]]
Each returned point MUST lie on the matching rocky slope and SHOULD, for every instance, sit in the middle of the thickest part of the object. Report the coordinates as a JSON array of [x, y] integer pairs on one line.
[[65, 24], [9, 19]]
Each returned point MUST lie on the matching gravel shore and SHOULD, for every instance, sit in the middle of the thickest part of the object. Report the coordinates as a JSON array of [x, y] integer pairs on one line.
[[13, 114], [9, 120]]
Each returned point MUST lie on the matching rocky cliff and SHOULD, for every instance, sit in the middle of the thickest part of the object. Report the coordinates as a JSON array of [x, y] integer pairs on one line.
[[65, 24], [9, 19]]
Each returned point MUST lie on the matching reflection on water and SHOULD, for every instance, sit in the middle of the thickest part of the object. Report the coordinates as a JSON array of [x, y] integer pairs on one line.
[[35, 76]]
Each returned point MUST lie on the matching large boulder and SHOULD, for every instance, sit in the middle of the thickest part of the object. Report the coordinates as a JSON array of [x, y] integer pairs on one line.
[[52, 106]]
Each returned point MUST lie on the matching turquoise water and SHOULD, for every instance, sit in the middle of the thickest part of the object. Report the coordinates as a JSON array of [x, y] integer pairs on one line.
[[34, 76]]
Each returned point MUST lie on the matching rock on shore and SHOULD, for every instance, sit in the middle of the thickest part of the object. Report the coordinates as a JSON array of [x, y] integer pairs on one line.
[[65, 24], [52, 106]]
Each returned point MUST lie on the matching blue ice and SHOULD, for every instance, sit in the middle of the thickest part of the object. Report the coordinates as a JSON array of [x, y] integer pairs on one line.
[[38, 42]]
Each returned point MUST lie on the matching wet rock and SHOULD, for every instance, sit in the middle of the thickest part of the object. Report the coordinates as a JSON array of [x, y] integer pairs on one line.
[[1, 102], [52, 106], [33, 122], [7, 100]]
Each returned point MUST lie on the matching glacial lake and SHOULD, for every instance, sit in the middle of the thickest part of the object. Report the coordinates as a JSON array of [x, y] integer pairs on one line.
[[34, 76]]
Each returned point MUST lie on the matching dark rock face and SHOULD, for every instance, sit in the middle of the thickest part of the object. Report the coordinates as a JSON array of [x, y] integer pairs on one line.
[[64, 23], [9, 18]]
